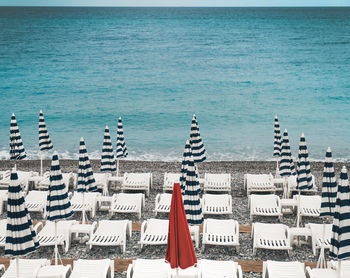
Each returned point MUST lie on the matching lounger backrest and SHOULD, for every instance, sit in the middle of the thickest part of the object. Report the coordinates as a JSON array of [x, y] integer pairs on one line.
[[270, 231], [216, 199], [157, 226], [91, 268], [217, 177], [253, 179], [128, 198], [221, 227], [27, 267], [213, 268], [36, 196], [143, 268], [138, 177], [62, 227], [285, 269], [166, 198], [264, 201], [171, 178], [312, 202], [317, 230], [3, 225], [111, 227]]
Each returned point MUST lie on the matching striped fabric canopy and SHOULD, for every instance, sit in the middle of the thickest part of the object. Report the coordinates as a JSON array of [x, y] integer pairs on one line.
[[122, 150], [16, 145], [286, 163], [45, 143], [190, 187], [329, 187], [277, 139], [86, 180], [20, 235], [197, 146], [107, 158], [340, 241], [304, 177], [58, 205]]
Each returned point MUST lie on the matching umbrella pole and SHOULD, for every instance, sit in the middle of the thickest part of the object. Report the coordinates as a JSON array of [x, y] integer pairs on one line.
[[17, 267], [56, 249], [277, 174], [321, 260], [117, 167], [41, 163], [83, 212], [338, 272], [298, 217], [285, 185]]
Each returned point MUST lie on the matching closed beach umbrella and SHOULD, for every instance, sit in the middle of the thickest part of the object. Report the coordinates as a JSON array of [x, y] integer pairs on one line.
[[190, 187], [286, 163], [20, 235], [197, 146], [107, 158], [122, 150], [58, 205], [340, 241], [179, 252], [86, 180], [277, 144], [45, 143], [16, 145], [329, 197]]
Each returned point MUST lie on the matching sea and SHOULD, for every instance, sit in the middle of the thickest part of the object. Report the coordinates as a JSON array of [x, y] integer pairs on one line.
[[234, 68]]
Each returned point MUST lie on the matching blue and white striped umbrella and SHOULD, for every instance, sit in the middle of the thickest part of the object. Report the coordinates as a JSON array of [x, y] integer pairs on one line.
[[277, 139], [190, 187], [286, 162], [86, 180], [58, 205], [304, 177], [16, 145], [45, 143], [107, 158], [340, 241], [122, 150], [197, 146], [20, 235]]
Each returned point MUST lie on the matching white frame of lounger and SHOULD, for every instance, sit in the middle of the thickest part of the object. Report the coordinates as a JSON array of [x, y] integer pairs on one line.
[[5, 179], [217, 204], [320, 273], [162, 203], [26, 266], [122, 229], [3, 200], [158, 234], [90, 202], [344, 266], [128, 204], [23, 178], [3, 224], [258, 205], [143, 182], [36, 201], [262, 232], [88, 268], [297, 269], [292, 185], [222, 239], [169, 180], [67, 177], [259, 183], [219, 270], [217, 183], [310, 207], [155, 265], [317, 236]]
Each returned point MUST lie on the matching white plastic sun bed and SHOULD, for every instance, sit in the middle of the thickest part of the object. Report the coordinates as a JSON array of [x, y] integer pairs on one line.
[[259, 183], [93, 269], [127, 203], [111, 233], [321, 273], [28, 268], [69, 180], [275, 269], [163, 203], [90, 202], [145, 268], [169, 180], [154, 232], [217, 204], [137, 182], [219, 269], [344, 267], [317, 236], [220, 232], [23, 178], [264, 205], [217, 183], [36, 201], [101, 180], [5, 179], [3, 225], [292, 185], [309, 206], [270, 236]]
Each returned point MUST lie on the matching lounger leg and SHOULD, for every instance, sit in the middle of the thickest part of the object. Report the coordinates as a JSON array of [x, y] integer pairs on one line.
[[237, 249], [254, 251]]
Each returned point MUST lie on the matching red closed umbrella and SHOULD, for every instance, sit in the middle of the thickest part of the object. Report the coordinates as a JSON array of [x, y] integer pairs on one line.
[[179, 251]]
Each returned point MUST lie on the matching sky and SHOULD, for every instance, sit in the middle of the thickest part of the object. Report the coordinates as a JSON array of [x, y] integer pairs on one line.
[[178, 3]]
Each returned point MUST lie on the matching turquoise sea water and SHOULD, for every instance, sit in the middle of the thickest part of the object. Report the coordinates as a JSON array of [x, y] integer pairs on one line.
[[234, 67]]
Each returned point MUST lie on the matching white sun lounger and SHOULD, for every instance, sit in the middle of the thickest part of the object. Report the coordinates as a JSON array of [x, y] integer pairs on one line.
[[90, 202], [217, 182], [321, 273], [275, 269], [5, 179], [3, 225], [259, 183], [23, 178], [344, 267], [28, 268], [317, 236], [163, 203], [270, 236], [292, 185], [93, 269], [217, 204], [219, 269], [154, 232], [69, 180], [3, 199], [46, 236], [145, 268], [169, 180], [137, 182], [111, 233], [36, 201], [101, 180], [264, 205], [127, 203], [309, 206], [220, 232]]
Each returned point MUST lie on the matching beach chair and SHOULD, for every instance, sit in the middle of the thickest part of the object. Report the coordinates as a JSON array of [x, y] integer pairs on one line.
[[169, 180], [217, 183], [154, 232], [309, 206], [163, 203], [259, 183], [111, 233], [3, 225], [264, 205], [219, 269], [69, 180], [344, 267], [275, 269], [145, 268], [270, 236], [5, 179], [127, 203], [23, 178], [292, 185], [217, 204], [93, 269], [28, 268], [321, 273], [317, 236], [220, 232], [90, 202], [3, 200], [101, 180], [46, 235], [137, 182], [36, 201]]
